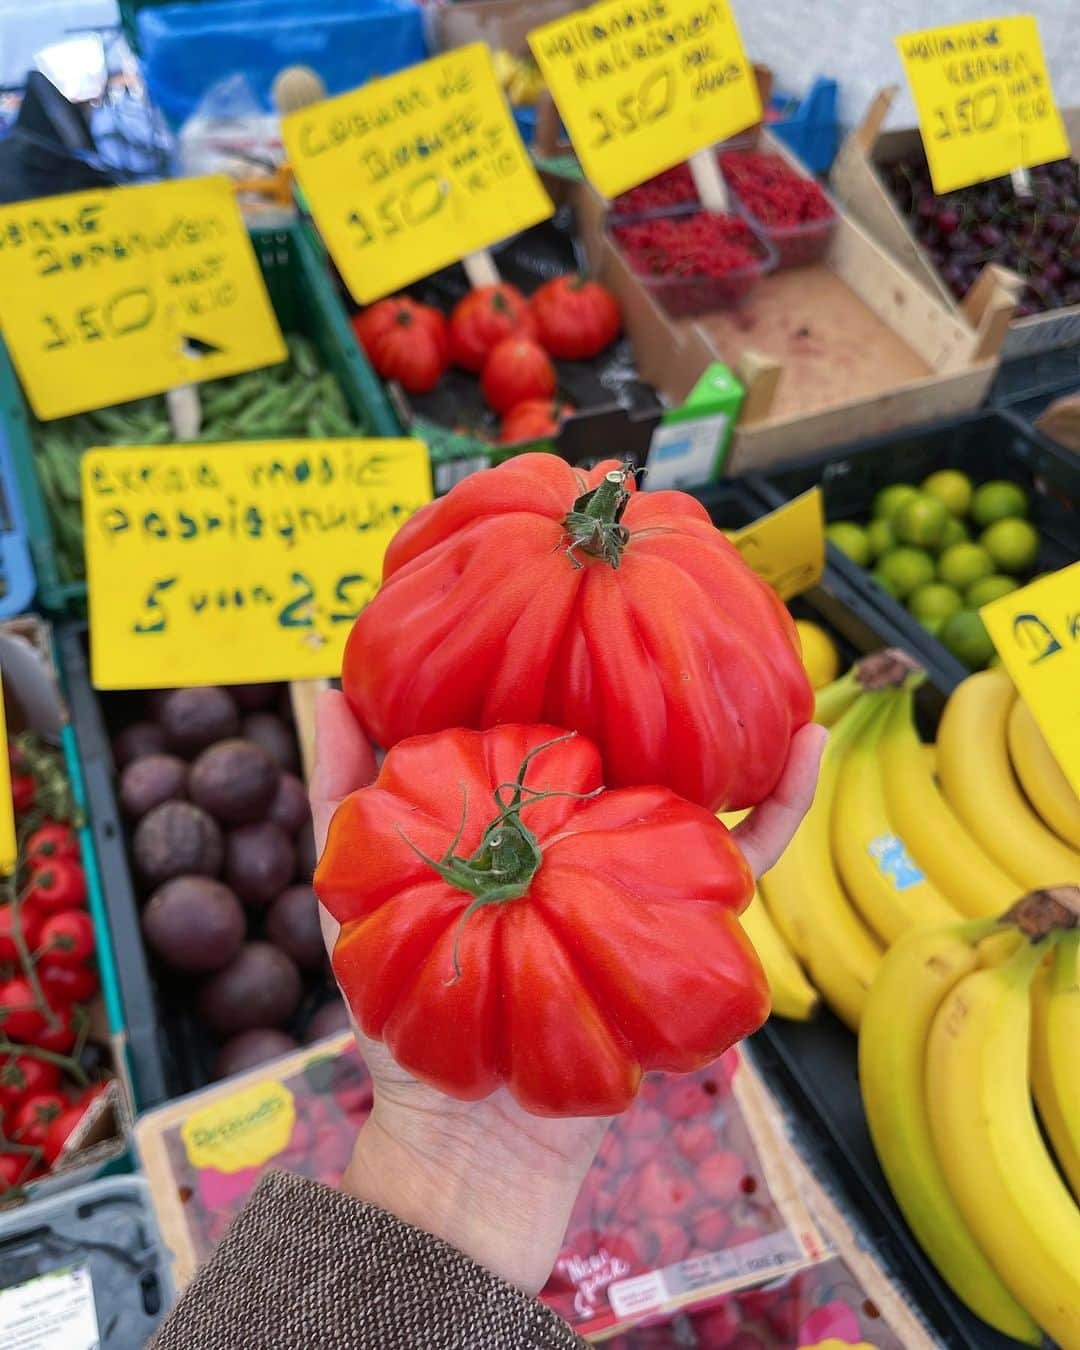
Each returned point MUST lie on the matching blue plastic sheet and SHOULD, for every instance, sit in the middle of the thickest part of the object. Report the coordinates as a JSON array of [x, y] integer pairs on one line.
[[187, 48]]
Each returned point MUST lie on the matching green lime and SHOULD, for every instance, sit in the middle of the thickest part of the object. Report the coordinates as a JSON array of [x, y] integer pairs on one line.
[[935, 601], [988, 589], [905, 570], [964, 564], [890, 498], [998, 500], [881, 536], [966, 637], [933, 626], [955, 532], [1013, 544], [921, 520], [884, 582], [851, 539], [952, 488]]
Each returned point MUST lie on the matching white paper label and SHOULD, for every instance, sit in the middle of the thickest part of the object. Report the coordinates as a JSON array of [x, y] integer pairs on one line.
[[683, 454], [52, 1312]]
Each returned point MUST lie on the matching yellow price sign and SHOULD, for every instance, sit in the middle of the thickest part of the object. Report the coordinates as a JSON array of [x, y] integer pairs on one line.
[[644, 86], [415, 171], [244, 1130], [1036, 631], [983, 97], [233, 564], [9, 849], [112, 295], [787, 547]]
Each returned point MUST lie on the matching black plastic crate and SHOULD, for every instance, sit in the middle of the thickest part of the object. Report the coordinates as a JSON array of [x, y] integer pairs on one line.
[[168, 1052], [985, 445], [1029, 384]]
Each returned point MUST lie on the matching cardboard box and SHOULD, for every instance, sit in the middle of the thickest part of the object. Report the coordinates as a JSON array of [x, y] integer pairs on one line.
[[857, 182], [848, 347]]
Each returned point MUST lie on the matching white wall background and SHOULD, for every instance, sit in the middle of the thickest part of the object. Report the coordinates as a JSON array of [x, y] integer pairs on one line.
[[852, 41]]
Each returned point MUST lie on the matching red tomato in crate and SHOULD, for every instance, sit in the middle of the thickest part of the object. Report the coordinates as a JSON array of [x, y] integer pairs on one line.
[[62, 1036], [23, 1076], [405, 341], [483, 319], [28, 926], [67, 984], [59, 884], [518, 597], [67, 938], [59, 1130], [533, 420], [20, 1017], [517, 370], [575, 318], [34, 1116], [470, 986], [52, 840]]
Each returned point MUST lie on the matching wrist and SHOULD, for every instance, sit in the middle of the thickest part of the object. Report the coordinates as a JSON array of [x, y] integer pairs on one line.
[[490, 1197]]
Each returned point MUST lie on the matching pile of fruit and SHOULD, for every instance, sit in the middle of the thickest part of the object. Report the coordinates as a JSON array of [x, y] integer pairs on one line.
[[50, 1076], [965, 1025], [716, 258], [519, 77], [297, 398], [223, 849], [945, 549], [509, 341], [902, 834], [1036, 236]]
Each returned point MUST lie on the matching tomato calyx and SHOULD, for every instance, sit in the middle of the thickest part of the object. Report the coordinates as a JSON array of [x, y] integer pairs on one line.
[[593, 523], [508, 856]]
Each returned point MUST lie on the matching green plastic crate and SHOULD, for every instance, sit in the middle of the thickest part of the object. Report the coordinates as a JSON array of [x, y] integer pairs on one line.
[[304, 301]]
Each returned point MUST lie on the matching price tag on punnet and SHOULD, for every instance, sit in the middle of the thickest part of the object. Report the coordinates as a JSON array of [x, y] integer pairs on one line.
[[1036, 631], [241, 563], [413, 172], [787, 547], [983, 98], [644, 84], [115, 294]]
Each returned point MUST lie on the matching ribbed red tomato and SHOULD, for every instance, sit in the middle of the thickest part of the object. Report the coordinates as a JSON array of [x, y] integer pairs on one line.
[[575, 318], [524, 595], [405, 341], [518, 369], [531, 420], [485, 318], [504, 920]]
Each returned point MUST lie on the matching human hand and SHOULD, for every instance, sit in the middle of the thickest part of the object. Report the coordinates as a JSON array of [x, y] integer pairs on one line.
[[488, 1177]]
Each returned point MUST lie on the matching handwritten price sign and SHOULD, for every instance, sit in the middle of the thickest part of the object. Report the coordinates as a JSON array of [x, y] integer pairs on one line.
[[643, 86], [228, 564], [413, 172], [111, 295], [983, 97], [1037, 635]]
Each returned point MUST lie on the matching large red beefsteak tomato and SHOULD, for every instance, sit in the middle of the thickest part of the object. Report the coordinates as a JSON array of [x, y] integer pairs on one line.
[[504, 920], [526, 594]]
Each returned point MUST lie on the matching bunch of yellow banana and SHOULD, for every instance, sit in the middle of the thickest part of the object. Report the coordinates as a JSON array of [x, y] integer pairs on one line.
[[520, 78], [958, 1031], [902, 833]]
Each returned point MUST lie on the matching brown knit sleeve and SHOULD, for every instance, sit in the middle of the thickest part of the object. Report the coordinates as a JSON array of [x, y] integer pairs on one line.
[[308, 1268]]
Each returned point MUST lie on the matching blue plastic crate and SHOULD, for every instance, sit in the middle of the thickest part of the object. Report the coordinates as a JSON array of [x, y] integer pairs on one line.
[[809, 126]]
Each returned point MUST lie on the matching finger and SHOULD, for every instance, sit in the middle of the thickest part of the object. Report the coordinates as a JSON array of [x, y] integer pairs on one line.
[[770, 827], [344, 761]]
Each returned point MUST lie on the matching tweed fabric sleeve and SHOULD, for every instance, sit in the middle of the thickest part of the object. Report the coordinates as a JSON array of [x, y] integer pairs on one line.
[[308, 1268]]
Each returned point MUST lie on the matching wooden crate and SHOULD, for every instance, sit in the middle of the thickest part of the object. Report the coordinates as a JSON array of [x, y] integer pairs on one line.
[[846, 348], [857, 181]]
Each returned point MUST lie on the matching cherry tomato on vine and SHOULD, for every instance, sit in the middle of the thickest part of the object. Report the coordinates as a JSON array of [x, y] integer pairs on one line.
[[58, 885], [61, 1037], [23, 791], [22, 1076], [20, 1017], [67, 984], [35, 1115], [15, 1168], [53, 840], [60, 1129], [28, 924], [67, 938]]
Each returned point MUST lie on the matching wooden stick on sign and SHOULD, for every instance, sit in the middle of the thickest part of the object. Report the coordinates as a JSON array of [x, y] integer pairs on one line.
[[480, 269], [709, 181]]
